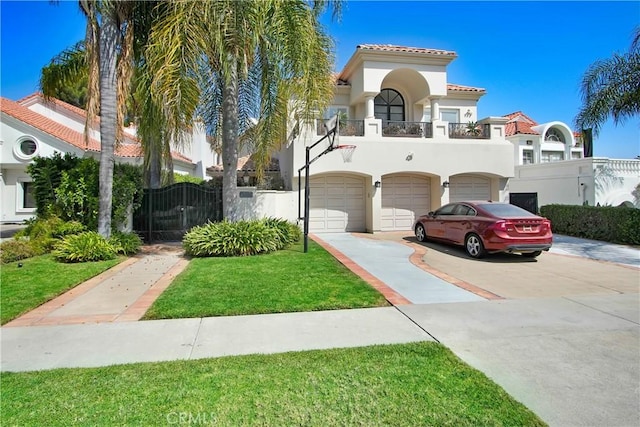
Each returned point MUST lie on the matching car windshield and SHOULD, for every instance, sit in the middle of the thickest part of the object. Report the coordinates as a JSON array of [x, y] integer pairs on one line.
[[505, 210]]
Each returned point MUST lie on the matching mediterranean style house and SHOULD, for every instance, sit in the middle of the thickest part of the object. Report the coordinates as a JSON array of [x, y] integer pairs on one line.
[[417, 143], [34, 127], [550, 165]]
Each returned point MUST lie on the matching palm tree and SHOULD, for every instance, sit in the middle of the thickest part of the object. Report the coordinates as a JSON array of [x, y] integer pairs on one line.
[[230, 61], [611, 87]]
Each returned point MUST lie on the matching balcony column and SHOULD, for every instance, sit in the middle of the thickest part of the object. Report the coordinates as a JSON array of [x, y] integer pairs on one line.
[[435, 109], [369, 114]]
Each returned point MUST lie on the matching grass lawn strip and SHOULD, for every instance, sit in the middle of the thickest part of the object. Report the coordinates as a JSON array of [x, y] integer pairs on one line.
[[399, 385], [41, 279], [279, 282]]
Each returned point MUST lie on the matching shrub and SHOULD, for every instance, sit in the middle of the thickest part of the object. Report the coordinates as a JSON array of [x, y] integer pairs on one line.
[[286, 231], [67, 228], [15, 250], [83, 247], [231, 239], [125, 243], [606, 223]]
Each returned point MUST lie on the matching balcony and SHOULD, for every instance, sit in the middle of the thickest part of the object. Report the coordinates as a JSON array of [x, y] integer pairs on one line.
[[407, 129], [470, 130], [345, 128]]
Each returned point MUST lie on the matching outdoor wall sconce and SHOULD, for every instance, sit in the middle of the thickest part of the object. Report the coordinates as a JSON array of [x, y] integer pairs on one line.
[[377, 184], [445, 184], [245, 177]]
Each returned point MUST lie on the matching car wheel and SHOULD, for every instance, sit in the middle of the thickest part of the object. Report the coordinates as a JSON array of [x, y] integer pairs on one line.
[[421, 235], [474, 247], [531, 254]]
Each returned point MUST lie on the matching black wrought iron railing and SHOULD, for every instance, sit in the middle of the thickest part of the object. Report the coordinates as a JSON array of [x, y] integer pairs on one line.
[[469, 131], [345, 128], [407, 129]]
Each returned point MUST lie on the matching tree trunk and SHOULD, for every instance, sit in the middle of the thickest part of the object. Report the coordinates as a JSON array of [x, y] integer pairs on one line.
[[230, 148], [108, 41], [155, 167]]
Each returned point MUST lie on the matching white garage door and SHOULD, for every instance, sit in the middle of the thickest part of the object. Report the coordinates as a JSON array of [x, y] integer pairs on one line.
[[337, 204], [404, 198], [469, 188]]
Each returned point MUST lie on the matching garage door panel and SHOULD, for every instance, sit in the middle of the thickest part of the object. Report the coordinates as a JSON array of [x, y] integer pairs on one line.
[[338, 204], [404, 197], [469, 188]]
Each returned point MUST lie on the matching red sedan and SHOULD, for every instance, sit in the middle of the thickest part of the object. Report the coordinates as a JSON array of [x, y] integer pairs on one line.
[[487, 227]]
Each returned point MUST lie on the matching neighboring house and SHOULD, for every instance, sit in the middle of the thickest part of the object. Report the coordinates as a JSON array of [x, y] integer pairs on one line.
[[550, 165], [34, 127], [418, 144]]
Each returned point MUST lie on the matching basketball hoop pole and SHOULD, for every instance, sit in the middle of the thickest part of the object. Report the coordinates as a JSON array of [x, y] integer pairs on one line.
[[331, 134]]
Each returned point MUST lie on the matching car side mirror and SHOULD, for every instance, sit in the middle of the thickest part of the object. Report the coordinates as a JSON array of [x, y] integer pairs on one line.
[[431, 214]]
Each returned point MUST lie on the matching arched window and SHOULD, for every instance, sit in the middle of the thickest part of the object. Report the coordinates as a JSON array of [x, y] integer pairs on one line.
[[389, 105], [554, 135]]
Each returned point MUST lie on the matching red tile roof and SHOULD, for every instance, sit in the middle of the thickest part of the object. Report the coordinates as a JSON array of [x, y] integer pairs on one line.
[[246, 163], [17, 110], [520, 123], [394, 48], [460, 88]]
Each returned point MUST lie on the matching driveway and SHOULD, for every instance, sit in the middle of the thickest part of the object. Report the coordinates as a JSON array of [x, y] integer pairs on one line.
[[561, 332]]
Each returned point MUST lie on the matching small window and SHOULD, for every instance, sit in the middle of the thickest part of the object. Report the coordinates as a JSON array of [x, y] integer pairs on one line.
[[527, 157], [447, 210], [28, 198], [451, 116], [342, 112], [554, 135], [25, 148], [551, 156]]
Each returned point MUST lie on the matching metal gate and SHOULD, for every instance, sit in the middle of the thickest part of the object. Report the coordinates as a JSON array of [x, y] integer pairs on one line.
[[527, 201], [167, 213]]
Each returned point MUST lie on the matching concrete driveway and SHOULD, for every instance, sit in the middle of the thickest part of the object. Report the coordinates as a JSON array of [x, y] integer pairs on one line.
[[561, 333]]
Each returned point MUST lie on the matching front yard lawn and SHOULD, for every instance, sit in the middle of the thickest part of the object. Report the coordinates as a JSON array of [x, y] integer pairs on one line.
[[283, 281], [396, 385], [41, 279]]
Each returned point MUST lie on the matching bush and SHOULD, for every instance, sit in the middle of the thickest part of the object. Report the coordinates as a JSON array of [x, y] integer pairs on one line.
[[231, 239], [609, 224], [125, 243], [286, 231], [83, 247], [15, 250], [68, 228]]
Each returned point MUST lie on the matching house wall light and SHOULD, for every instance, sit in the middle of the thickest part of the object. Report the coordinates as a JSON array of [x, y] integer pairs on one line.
[[377, 184], [245, 177], [445, 184]]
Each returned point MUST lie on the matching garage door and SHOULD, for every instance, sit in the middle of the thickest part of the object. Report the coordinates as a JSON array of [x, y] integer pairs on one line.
[[469, 188], [404, 198], [337, 204]]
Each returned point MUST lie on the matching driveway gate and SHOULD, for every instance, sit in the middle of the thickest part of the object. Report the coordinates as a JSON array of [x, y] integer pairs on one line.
[[528, 201], [167, 213]]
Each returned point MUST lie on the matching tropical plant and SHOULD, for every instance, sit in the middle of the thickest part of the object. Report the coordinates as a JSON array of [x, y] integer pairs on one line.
[[15, 250], [473, 129], [125, 243], [611, 88], [243, 60], [225, 239], [83, 247]]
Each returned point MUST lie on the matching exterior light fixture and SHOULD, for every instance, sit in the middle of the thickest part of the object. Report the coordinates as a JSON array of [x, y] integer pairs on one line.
[[445, 184], [377, 184], [245, 177]]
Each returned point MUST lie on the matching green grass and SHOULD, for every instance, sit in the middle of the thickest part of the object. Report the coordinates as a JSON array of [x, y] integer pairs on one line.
[[39, 280], [279, 282], [398, 385]]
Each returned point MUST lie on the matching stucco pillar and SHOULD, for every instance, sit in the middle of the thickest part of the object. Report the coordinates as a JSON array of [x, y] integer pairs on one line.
[[376, 205], [435, 109], [369, 114]]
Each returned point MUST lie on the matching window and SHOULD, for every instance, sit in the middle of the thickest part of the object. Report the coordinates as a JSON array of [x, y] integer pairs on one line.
[[527, 157], [576, 155], [389, 106], [554, 135], [25, 148], [25, 200], [451, 116], [551, 156]]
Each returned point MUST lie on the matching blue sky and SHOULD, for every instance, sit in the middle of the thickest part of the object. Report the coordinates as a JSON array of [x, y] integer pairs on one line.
[[529, 56]]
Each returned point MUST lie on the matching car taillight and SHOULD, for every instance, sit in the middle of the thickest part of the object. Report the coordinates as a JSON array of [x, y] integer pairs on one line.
[[502, 226], [546, 225]]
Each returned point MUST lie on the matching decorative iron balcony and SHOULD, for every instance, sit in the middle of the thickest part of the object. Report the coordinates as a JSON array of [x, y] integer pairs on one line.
[[470, 130], [408, 129], [345, 127]]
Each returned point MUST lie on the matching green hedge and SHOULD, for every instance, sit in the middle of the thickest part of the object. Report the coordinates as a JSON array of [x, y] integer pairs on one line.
[[609, 224]]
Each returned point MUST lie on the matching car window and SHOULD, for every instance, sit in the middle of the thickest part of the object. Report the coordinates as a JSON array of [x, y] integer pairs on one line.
[[446, 210], [505, 210], [464, 210]]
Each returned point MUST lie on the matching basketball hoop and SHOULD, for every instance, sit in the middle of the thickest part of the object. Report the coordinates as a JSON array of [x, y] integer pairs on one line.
[[347, 152]]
